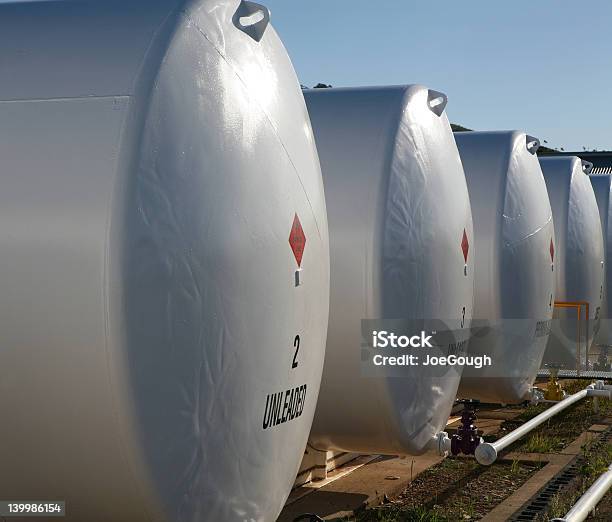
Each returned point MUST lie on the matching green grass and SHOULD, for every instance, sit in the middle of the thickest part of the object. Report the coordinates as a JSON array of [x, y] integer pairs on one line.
[[531, 411], [563, 428], [396, 514], [597, 460], [542, 443], [465, 504]]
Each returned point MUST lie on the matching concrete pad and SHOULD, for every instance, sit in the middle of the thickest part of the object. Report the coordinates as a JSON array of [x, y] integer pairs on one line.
[[574, 448], [598, 428], [366, 486], [332, 476]]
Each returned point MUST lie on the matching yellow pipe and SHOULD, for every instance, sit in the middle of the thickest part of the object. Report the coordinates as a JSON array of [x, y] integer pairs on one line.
[[578, 305]]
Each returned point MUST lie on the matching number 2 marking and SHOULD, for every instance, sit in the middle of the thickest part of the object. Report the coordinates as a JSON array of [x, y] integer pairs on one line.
[[296, 343]]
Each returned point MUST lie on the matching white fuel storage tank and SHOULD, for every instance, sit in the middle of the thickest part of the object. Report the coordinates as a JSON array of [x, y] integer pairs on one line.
[[159, 191], [601, 187], [579, 255], [401, 249], [514, 278]]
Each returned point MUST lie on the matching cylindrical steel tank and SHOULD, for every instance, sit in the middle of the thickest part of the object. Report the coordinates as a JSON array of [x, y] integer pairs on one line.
[[400, 247], [514, 279], [579, 255], [160, 191], [602, 187]]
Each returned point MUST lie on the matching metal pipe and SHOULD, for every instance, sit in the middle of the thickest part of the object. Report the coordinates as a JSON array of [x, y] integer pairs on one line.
[[600, 393], [578, 305], [589, 500], [587, 338], [486, 453], [579, 346], [441, 444]]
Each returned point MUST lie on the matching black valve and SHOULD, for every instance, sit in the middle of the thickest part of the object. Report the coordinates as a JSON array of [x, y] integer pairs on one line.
[[467, 438]]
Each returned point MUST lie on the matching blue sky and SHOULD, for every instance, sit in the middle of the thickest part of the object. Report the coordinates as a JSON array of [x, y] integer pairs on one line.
[[543, 66]]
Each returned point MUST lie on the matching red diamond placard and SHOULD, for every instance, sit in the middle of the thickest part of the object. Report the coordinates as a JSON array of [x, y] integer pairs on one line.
[[297, 240], [552, 251], [465, 245]]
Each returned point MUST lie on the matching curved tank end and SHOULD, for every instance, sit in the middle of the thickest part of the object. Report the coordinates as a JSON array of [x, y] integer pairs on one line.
[[514, 284], [396, 192], [177, 274]]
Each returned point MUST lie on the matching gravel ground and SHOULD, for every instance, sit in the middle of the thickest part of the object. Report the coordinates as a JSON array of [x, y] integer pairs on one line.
[[455, 489], [459, 489]]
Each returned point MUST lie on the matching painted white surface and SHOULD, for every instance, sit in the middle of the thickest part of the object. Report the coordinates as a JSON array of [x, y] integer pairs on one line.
[[601, 187], [153, 159], [580, 255], [514, 283], [398, 206]]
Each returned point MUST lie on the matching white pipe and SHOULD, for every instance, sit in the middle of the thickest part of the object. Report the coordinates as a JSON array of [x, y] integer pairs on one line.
[[589, 500], [536, 395], [441, 444], [486, 453], [600, 393]]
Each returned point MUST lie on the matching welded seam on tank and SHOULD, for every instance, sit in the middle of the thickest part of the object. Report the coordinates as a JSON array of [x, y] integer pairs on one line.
[[407, 146], [404, 148], [147, 61], [530, 234], [69, 98], [105, 296], [190, 19], [382, 201], [513, 164]]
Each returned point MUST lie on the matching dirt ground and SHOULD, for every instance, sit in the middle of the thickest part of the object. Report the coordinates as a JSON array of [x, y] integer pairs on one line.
[[460, 489]]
